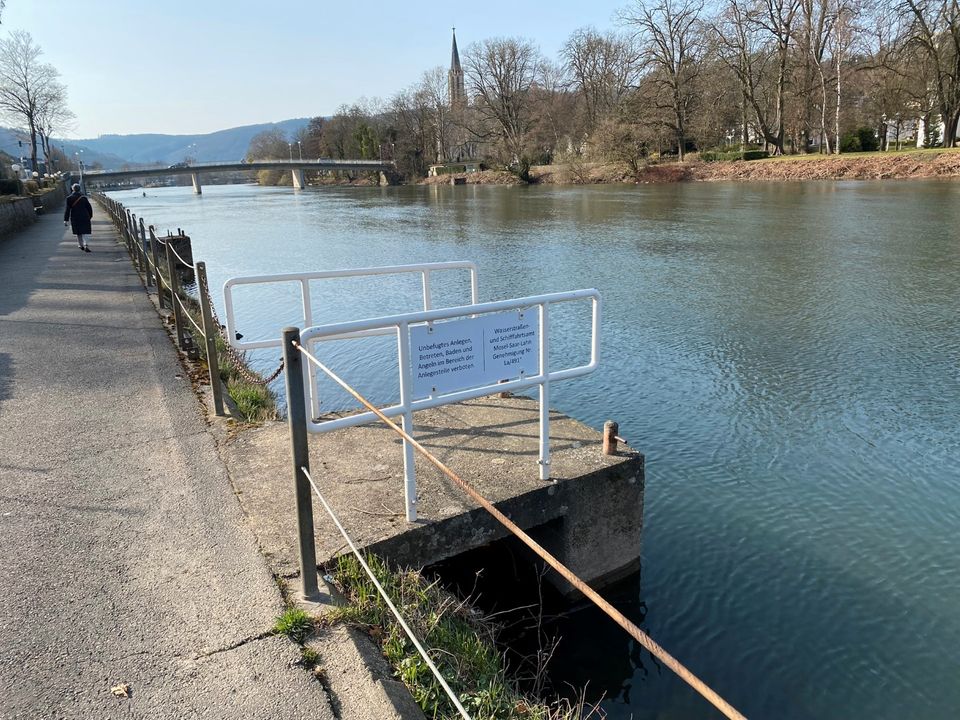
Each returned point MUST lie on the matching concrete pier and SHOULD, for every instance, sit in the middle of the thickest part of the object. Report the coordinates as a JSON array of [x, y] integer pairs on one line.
[[590, 516]]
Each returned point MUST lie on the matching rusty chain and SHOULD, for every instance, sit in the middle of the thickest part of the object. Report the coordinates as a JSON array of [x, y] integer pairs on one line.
[[238, 360]]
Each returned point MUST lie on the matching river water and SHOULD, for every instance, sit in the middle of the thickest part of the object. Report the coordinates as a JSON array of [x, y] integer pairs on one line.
[[786, 355]]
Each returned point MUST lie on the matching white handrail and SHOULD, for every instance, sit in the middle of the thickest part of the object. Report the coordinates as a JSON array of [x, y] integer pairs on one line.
[[401, 324], [305, 278]]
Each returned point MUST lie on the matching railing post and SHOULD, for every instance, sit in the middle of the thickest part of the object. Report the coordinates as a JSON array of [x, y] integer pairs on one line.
[[544, 460], [132, 245], [210, 335], [300, 450], [143, 251], [156, 265], [174, 287], [126, 230]]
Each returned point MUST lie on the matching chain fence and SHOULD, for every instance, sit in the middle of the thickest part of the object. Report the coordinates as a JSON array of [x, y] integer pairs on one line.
[[237, 358]]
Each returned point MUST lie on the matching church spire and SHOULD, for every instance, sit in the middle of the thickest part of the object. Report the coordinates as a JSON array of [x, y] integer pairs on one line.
[[455, 55], [455, 88]]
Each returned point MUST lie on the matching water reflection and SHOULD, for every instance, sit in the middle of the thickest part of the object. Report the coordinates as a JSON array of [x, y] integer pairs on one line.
[[786, 355]]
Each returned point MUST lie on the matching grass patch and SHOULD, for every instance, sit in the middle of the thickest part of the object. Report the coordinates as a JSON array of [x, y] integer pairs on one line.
[[255, 402], [295, 624], [919, 153], [309, 657], [461, 644]]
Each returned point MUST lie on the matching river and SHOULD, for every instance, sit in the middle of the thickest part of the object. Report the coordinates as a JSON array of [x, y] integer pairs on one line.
[[786, 355]]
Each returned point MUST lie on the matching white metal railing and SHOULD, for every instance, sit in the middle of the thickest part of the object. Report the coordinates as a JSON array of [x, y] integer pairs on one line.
[[425, 270], [409, 403]]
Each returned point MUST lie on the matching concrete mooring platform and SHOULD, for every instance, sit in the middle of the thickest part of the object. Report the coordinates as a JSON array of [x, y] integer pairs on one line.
[[590, 514]]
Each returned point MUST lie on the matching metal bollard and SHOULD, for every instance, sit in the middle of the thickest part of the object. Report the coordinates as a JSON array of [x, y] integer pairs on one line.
[[297, 416], [610, 430], [210, 335]]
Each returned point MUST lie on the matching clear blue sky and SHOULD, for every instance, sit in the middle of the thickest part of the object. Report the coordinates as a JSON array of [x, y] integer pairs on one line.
[[195, 66]]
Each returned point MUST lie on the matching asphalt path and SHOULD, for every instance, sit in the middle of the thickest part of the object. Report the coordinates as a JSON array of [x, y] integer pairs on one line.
[[124, 557]]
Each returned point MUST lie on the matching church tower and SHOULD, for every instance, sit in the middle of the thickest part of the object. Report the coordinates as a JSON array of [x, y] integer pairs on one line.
[[458, 96]]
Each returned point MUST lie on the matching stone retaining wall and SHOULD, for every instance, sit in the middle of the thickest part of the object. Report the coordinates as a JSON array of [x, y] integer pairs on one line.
[[16, 215], [21, 213]]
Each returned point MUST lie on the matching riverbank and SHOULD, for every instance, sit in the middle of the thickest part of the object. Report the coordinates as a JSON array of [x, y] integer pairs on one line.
[[896, 165]]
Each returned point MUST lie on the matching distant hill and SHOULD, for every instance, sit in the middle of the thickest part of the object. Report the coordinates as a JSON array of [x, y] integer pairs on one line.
[[9, 144], [228, 144], [114, 151]]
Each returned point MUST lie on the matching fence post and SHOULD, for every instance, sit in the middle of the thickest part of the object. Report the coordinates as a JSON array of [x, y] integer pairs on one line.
[[126, 231], [297, 416], [210, 335], [156, 265], [143, 251], [174, 287], [133, 234]]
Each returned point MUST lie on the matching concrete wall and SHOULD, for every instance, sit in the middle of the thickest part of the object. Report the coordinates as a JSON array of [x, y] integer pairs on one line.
[[592, 523]]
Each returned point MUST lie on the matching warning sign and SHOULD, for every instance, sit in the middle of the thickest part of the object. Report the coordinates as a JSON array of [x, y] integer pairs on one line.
[[473, 352]]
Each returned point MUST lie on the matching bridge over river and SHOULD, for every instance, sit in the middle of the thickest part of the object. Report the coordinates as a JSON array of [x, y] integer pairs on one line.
[[195, 170]]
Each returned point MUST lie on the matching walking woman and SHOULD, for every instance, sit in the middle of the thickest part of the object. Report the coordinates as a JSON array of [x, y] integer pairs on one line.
[[79, 212]]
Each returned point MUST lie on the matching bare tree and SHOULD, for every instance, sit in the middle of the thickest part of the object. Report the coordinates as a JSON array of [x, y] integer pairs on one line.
[[754, 37], [671, 37], [24, 82], [932, 31], [53, 116], [501, 73], [602, 69]]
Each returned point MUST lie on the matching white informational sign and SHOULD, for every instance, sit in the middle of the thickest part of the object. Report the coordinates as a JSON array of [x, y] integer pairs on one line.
[[473, 352]]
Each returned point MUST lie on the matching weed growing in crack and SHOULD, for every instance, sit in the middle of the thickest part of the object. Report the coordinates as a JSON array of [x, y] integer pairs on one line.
[[295, 624]]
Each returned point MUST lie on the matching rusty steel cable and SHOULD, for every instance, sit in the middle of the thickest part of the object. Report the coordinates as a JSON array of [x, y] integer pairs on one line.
[[238, 361], [635, 632], [383, 593], [189, 316]]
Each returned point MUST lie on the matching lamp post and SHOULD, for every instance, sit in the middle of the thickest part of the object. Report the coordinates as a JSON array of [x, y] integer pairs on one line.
[[16, 171], [290, 148], [300, 150]]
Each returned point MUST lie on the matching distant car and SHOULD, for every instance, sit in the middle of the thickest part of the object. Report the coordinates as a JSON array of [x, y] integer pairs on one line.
[[179, 166]]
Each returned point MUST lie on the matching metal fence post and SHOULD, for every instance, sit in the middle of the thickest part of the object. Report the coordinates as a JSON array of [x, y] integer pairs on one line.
[[210, 335], [133, 245], [297, 415], [126, 231], [174, 288], [156, 265], [143, 251]]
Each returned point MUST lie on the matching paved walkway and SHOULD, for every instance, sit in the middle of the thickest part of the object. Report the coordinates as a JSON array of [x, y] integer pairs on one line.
[[123, 554]]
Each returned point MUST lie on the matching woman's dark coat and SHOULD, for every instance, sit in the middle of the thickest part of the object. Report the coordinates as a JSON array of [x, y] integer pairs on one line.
[[78, 212]]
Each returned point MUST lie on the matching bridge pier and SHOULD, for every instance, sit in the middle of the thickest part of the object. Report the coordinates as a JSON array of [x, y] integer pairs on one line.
[[196, 183], [298, 181]]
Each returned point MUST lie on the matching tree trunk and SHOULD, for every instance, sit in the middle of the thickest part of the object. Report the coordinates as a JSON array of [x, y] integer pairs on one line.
[[950, 128], [836, 119]]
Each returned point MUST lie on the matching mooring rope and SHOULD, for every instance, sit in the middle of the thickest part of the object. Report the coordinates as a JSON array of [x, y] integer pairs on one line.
[[618, 617], [386, 598], [183, 262]]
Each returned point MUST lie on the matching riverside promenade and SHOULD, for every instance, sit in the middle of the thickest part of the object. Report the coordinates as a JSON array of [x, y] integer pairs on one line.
[[124, 557]]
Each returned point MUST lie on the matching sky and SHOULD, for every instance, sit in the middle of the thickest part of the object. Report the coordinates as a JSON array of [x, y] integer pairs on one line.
[[197, 66]]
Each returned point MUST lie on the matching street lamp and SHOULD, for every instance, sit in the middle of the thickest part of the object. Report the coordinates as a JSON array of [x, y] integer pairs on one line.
[[290, 148], [300, 150], [16, 170]]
